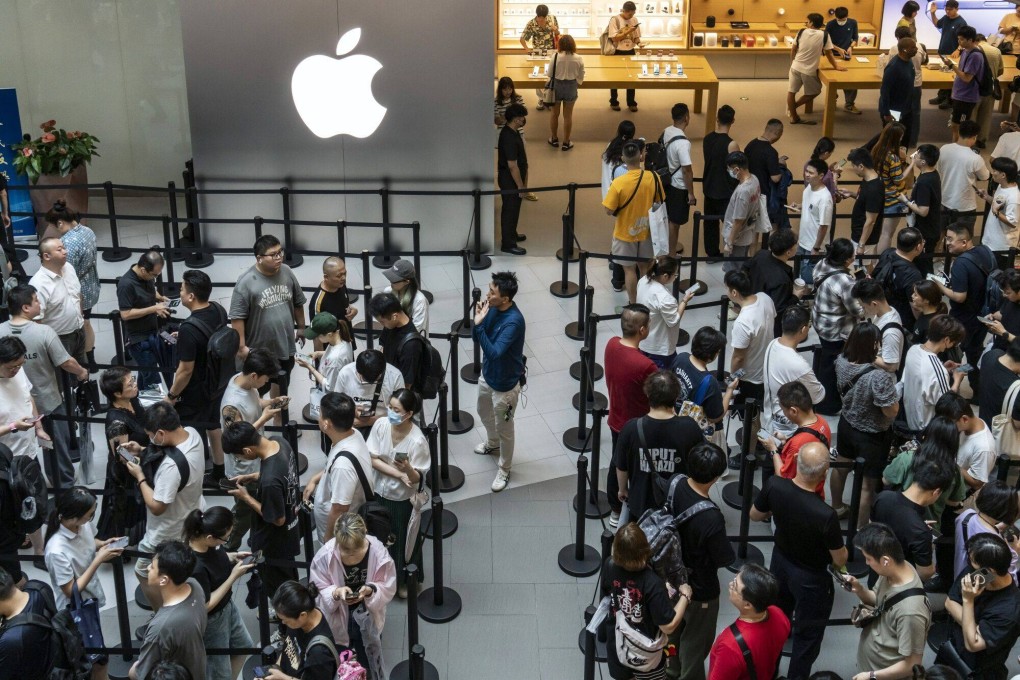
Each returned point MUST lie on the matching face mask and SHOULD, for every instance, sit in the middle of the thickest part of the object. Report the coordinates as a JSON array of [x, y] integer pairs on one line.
[[732, 173], [394, 417]]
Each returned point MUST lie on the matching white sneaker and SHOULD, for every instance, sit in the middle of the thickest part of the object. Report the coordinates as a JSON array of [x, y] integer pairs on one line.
[[502, 478], [484, 449], [614, 519]]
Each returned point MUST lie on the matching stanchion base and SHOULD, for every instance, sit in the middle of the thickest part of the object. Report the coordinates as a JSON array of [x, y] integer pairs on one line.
[[429, 611], [302, 463], [428, 295], [600, 647], [361, 332], [687, 283], [594, 510], [141, 600], [402, 671], [118, 669], [578, 441], [732, 497], [597, 401], [586, 566], [117, 254], [198, 259], [459, 422], [754, 556], [575, 371], [306, 413], [449, 524], [248, 670], [479, 262], [384, 261], [178, 254], [559, 290], [571, 256], [574, 331], [683, 338], [462, 329], [857, 568], [470, 373], [453, 481]]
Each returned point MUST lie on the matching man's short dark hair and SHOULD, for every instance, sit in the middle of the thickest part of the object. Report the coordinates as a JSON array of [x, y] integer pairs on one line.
[[841, 12], [933, 475], [962, 229], [782, 240], [861, 156], [680, 111], [383, 305], [149, 260], [705, 462], [740, 281], [736, 159], [261, 361], [944, 326], [1011, 280], [370, 365], [515, 111], [969, 128], [161, 416], [953, 406], [111, 382], [707, 343], [929, 153], [795, 318], [761, 588], [966, 32], [541, 11], [662, 389], [168, 670], [952, 4], [176, 560], [629, 6], [879, 541], [840, 250], [633, 318], [816, 20], [339, 409], [7, 584], [1006, 166], [868, 290], [264, 243], [240, 435], [199, 284], [20, 297], [818, 165], [1013, 349], [908, 239], [506, 284], [990, 551], [726, 115], [794, 394]]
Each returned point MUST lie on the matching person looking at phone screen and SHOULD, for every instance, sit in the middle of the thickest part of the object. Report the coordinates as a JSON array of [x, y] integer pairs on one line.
[[303, 622], [984, 604], [795, 400], [999, 370], [1004, 324]]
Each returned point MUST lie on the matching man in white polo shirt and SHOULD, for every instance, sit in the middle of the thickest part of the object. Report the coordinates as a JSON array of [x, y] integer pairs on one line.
[[59, 291]]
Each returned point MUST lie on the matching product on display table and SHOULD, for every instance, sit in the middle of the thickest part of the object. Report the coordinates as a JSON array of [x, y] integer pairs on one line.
[[711, 39], [699, 39]]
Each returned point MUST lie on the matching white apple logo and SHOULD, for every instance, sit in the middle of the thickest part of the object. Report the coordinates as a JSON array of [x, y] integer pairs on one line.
[[334, 96]]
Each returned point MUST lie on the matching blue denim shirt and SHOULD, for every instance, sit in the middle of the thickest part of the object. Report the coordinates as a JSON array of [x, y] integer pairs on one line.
[[501, 337]]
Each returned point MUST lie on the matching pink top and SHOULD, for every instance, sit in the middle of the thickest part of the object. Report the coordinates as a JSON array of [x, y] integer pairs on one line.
[[328, 575]]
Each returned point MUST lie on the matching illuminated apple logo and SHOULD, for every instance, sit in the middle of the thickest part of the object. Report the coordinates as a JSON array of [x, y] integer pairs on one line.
[[334, 96]]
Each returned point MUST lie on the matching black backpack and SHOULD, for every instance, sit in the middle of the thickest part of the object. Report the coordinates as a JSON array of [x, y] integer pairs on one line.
[[68, 660], [24, 477], [986, 85], [993, 281], [222, 345], [657, 157], [432, 372], [378, 519], [153, 457]]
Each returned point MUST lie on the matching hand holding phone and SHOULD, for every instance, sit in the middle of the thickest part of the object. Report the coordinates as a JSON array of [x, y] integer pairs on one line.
[[126, 455], [964, 368], [840, 578], [228, 484], [174, 302], [118, 544], [400, 456], [254, 558]]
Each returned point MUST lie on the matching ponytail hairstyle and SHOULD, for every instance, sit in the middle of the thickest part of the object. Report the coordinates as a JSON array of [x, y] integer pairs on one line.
[[662, 265], [824, 145], [932, 294], [72, 504], [350, 531], [61, 213], [292, 599], [216, 521]]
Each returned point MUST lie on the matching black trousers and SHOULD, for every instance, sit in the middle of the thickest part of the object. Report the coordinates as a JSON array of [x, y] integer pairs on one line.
[[972, 348], [805, 596], [614, 95], [710, 228], [824, 366], [612, 483], [509, 215]]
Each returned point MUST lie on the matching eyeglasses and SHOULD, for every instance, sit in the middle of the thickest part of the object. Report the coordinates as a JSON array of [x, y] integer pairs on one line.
[[278, 255]]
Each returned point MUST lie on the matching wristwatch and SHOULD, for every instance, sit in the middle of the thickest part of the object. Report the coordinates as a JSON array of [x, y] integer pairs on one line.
[[172, 396]]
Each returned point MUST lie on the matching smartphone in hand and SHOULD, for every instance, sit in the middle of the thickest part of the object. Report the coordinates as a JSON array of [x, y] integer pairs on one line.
[[120, 543], [840, 578], [126, 455]]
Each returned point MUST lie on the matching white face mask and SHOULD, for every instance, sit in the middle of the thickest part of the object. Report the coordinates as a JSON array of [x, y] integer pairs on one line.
[[732, 173]]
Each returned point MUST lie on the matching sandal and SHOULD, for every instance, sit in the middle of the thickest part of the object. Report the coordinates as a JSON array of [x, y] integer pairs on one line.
[[553, 141], [567, 146], [801, 121]]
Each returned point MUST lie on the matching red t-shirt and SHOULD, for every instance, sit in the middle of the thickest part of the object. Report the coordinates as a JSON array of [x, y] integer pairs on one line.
[[626, 370], [793, 446], [765, 640]]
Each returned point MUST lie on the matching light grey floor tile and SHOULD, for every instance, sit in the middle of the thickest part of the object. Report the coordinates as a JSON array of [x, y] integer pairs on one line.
[[557, 664], [491, 647], [529, 514], [498, 599], [471, 561], [560, 614], [528, 554]]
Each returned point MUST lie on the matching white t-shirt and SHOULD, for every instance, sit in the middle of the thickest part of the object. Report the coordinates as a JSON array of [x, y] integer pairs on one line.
[[892, 340], [351, 384], [782, 365], [1008, 146], [168, 526], [380, 445], [959, 167], [997, 234], [15, 404], [339, 483], [663, 317], [925, 379], [68, 556], [419, 310], [810, 44], [334, 358], [678, 154], [752, 330], [977, 453], [238, 402], [816, 210]]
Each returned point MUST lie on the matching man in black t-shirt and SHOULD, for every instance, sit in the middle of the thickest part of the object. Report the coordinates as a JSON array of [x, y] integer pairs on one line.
[[141, 307], [999, 370], [512, 175], [706, 549], [808, 540], [718, 185], [926, 203], [667, 439], [985, 608], [332, 296], [898, 273], [401, 343], [274, 527], [765, 163], [25, 650], [1006, 328], [866, 217], [770, 273]]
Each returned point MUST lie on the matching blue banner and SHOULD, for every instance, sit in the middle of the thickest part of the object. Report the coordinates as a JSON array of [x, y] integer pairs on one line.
[[10, 134]]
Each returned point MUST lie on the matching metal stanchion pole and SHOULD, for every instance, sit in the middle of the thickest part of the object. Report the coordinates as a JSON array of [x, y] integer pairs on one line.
[[168, 287], [451, 477], [259, 223], [470, 373], [594, 399], [463, 326], [366, 280], [576, 438], [571, 213], [733, 493], [116, 253], [449, 523], [368, 323], [599, 639], [578, 558], [416, 258], [1002, 468], [855, 563], [695, 245], [457, 421], [120, 664], [724, 322], [291, 257], [596, 503], [174, 251], [591, 329], [575, 329], [478, 259], [439, 603], [408, 670], [747, 553], [564, 288], [386, 258]]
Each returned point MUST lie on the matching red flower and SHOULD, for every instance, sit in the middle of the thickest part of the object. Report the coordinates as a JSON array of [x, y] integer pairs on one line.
[[48, 125], [49, 138], [26, 152]]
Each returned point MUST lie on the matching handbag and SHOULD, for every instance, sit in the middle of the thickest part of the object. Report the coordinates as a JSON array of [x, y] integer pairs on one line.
[[658, 220], [606, 45], [549, 92], [315, 396], [86, 616], [634, 649], [1007, 439], [745, 650], [948, 656]]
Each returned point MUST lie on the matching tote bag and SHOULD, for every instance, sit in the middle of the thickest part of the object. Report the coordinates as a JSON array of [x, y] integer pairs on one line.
[[658, 220], [86, 616], [1007, 439]]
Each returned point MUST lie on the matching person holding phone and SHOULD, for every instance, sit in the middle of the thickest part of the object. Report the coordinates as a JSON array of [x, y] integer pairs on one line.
[[123, 511], [400, 458], [625, 35]]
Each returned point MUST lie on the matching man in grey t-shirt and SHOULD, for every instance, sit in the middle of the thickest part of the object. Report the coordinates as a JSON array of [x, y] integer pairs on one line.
[[176, 631], [265, 307], [742, 210], [44, 353]]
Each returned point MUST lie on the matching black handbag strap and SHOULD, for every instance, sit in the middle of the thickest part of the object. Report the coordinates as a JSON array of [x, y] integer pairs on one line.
[[853, 381], [745, 650], [627, 202], [378, 391], [644, 444], [365, 486], [893, 600], [552, 73]]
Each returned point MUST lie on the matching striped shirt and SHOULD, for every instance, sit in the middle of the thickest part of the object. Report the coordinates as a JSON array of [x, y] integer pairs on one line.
[[925, 379]]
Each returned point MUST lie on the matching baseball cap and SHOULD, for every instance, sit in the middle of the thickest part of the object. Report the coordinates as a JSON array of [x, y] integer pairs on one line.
[[402, 270], [322, 323]]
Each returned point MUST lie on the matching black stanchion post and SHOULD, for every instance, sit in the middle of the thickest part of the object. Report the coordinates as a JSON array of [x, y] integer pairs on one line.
[[470, 373], [403, 670], [595, 368], [695, 245], [463, 326], [120, 664], [478, 259], [575, 329], [360, 328], [855, 563], [457, 421], [595, 399], [588, 648], [168, 286], [116, 253], [174, 252], [451, 477], [596, 503], [576, 438], [291, 257], [568, 238], [386, 258], [259, 223], [578, 558], [1002, 468], [564, 288], [119, 356], [724, 322], [747, 553], [416, 258], [733, 493], [449, 523], [598, 640], [196, 259], [439, 604], [369, 335]]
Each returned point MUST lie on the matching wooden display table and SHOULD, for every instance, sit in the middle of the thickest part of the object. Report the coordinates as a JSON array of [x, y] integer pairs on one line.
[[621, 72]]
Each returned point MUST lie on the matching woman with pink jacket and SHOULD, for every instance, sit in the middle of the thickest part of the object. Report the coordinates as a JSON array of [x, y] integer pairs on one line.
[[356, 579]]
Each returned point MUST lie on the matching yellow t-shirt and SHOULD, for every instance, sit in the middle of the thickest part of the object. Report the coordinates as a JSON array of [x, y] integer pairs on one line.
[[632, 221], [1011, 20]]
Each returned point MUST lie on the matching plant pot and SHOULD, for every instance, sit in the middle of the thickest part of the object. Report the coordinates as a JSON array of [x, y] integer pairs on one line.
[[54, 189]]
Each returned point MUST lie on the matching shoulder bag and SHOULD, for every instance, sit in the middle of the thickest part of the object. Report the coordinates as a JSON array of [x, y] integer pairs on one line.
[[1007, 439], [637, 186], [745, 650], [658, 219], [606, 44], [549, 91], [863, 615]]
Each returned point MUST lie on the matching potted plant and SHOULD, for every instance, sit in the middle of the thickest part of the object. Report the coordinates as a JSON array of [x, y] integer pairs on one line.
[[56, 159]]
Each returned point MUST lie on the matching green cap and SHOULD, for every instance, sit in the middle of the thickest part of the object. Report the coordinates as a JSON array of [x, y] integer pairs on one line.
[[322, 323]]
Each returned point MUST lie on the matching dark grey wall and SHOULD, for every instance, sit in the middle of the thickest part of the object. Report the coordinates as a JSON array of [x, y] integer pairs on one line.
[[239, 58]]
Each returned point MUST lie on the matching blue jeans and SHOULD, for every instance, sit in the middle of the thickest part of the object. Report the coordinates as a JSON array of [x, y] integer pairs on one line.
[[225, 629], [143, 352], [807, 267]]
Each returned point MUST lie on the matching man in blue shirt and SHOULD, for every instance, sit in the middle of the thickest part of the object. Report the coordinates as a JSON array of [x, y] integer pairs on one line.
[[948, 26], [842, 31], [966, 85], [499, 330]]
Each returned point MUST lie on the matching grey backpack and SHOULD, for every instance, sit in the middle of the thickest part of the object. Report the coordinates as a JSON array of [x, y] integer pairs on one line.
[[662, 531]]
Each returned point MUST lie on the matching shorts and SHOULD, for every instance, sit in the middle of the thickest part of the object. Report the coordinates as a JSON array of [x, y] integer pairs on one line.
[[677, 207], [873, 447], [810, 82], [961, 111], [203, 416], [142, 563], [641, 249], [895, 210], [565, 90], [283, 380], [224, 629]]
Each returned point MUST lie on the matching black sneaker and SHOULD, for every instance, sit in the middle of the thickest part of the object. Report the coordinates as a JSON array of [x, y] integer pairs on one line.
[[734, 462], [618, 287]]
